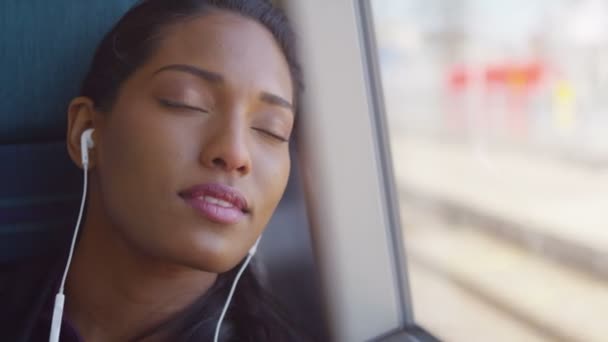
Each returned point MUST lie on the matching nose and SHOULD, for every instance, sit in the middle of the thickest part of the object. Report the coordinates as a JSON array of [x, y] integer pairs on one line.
[[225, 148]]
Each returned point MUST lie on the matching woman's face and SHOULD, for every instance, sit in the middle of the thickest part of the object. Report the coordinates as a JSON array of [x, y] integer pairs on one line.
[[193, 159]]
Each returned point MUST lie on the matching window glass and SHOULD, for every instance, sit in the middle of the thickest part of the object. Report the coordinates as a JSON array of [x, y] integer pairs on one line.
[[498, 124]]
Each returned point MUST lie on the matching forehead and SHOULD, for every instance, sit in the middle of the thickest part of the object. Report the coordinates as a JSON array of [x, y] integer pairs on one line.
[[243, 51]]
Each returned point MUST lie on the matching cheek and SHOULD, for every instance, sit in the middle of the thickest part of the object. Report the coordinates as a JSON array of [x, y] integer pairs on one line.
[[273, 173], [137, 172]]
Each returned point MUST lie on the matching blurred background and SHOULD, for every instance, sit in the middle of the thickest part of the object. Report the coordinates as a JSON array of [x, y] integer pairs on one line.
[[498, 125]]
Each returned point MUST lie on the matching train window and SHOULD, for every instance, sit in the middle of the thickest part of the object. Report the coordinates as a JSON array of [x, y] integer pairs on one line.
[[496, 113], [356, 237]]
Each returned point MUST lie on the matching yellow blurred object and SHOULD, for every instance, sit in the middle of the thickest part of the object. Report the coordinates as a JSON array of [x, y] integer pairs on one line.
[[564, 106]]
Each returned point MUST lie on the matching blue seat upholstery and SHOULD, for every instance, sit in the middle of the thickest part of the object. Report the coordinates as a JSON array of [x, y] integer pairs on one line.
[[45, 50]]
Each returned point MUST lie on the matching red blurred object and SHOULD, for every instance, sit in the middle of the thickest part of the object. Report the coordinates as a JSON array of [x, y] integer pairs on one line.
[[533, 72], [518, 75], [495, 74], [459, 78]]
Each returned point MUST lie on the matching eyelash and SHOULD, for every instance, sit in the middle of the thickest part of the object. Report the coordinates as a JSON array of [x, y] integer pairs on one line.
[[173, 104], [271, 135]]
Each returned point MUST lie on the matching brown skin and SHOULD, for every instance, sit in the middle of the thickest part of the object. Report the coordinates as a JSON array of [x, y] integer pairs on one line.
[[144, 253]]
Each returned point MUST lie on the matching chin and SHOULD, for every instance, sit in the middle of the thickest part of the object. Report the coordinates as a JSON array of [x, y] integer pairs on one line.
[[206, 260]]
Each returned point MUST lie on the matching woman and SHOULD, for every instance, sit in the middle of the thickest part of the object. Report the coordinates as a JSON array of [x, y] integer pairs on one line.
[[192, 103]]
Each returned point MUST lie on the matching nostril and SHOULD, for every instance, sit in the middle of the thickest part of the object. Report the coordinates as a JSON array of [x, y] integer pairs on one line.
[[219, 162], [226, 165]]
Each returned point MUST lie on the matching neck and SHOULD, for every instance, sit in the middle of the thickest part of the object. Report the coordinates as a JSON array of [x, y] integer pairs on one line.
[[114, 292]]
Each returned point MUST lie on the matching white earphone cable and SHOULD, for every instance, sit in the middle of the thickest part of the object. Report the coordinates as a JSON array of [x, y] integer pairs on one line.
[[75, 235], [60, 298], [234, 283]]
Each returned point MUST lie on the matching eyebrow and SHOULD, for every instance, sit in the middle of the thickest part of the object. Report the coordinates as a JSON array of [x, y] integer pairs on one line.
[[214, 77], [275, 100], [206, 75]]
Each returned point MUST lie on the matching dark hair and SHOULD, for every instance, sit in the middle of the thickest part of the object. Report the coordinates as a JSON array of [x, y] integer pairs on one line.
[[253, 315]]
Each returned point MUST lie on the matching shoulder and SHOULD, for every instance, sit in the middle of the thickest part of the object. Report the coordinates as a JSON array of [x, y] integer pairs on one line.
[[25, 287]]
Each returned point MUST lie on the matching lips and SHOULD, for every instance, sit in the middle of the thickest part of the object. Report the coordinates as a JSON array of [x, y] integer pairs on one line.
[[217, 202]]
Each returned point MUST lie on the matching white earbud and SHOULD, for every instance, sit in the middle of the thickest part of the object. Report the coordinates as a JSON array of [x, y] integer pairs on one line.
[[86, 142]]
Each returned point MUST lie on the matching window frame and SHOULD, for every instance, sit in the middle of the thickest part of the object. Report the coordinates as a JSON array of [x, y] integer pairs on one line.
[[339, 54]]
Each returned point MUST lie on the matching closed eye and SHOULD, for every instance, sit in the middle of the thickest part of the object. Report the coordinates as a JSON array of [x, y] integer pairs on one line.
[[175, 104], [270, 134]]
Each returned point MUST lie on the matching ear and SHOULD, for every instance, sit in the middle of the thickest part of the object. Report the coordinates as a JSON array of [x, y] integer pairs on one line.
[[81, 115]]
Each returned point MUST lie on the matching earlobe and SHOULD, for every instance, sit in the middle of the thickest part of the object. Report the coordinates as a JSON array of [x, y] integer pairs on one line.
[[81, 113]]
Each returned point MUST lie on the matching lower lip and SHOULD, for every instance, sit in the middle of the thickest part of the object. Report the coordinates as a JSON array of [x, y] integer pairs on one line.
[[216, 213]]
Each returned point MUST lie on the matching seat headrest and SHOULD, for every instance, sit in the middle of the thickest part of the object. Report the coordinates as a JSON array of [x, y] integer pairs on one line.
[[46, 49]]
